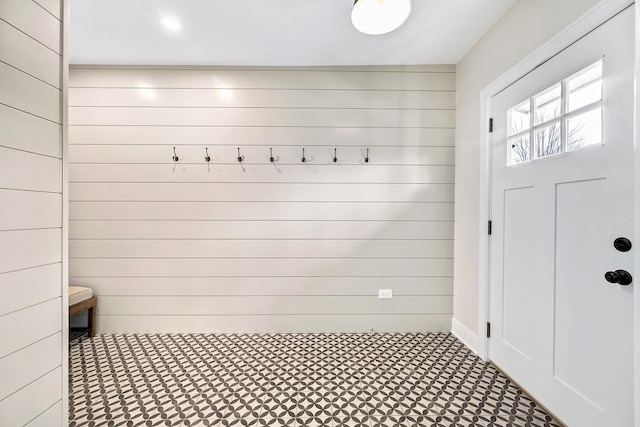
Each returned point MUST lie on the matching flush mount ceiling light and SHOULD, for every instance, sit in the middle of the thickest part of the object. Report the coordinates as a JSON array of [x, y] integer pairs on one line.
[[379, 16]]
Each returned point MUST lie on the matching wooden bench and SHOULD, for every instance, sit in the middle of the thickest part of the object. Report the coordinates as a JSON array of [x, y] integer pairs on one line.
[[81, 299]]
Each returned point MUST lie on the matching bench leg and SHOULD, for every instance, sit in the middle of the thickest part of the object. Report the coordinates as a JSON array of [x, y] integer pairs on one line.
[[92, 321]]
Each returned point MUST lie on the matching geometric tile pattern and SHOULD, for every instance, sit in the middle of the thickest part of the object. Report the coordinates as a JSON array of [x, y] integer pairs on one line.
[[75, 334], [292, 380]]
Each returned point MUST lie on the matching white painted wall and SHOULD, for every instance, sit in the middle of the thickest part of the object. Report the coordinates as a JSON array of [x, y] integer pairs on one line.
[[261, 247], [522, 30], [32, 370]]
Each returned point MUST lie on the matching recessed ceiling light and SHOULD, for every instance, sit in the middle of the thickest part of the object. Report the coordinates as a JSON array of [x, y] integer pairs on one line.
[[375, 17], [171, 23]]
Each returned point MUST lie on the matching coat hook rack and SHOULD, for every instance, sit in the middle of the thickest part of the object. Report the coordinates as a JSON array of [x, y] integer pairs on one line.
[[366, 159], [335, 155], [271, 159], [206, 157], [304, 159], [240, 157], [175, 156]]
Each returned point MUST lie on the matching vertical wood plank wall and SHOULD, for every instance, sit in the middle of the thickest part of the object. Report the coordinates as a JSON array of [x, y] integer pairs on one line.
[[31, 336], [191, 246]]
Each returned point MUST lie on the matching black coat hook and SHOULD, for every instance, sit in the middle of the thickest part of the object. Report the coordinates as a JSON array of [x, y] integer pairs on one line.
[[206, 157], [175, 156], [240, 157], [271, 154], [335, 155], [366, 159], [304, 159]]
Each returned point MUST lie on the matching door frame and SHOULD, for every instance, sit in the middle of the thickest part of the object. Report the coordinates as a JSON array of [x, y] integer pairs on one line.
[[636, 293], [600, 13]]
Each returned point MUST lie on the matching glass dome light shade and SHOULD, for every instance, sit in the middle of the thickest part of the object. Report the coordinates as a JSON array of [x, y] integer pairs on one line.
[[376, 17]]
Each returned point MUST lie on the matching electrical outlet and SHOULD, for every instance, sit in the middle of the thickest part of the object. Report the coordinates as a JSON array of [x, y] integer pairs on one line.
[[385, 293]]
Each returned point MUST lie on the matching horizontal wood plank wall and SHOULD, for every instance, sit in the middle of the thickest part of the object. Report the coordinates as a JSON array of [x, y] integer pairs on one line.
[[31, 338], [261, 246]]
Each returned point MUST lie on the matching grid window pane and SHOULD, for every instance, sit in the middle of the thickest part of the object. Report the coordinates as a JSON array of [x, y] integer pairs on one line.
[[519, 150], [519, 118], [547, 140], [585, 87], [561, 118], [548, 104], [585, 129]]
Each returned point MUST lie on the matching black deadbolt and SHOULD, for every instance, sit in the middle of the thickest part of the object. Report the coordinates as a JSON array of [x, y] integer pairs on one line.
[[622, 244], [620, 277]]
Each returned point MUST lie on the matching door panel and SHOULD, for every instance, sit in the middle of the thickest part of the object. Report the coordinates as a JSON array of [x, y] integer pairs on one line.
[[577, 313], [558, 327], [519, 283]]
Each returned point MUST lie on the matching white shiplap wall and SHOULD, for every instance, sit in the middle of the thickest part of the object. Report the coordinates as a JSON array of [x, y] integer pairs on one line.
[[31, 306], [260, 246]]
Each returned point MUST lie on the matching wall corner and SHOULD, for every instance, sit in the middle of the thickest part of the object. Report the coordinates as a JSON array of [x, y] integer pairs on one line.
[[464, 334]]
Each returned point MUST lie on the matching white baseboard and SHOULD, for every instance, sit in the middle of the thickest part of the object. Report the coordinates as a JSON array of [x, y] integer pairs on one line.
[[464, 334], [276, 323]]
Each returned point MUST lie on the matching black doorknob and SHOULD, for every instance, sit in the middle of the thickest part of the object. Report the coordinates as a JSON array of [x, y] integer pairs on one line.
[[620, 277], [622, 244]]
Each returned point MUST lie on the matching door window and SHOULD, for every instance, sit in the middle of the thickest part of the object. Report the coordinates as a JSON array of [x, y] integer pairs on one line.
[[564, 117]]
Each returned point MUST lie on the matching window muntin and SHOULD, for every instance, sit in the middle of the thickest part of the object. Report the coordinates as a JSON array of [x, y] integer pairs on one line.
[[584, 129], [520, 149], [548, 105], [548, 140], [566, 116], [520, 118], [584, 87]]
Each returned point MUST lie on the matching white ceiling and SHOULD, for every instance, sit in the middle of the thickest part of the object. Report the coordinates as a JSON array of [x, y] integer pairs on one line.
[[271, 32]]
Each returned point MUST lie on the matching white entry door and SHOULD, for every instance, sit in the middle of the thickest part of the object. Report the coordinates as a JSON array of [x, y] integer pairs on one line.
[[562, 192]]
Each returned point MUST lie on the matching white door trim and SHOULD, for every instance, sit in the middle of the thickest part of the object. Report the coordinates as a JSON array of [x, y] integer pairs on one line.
[[65, 212], [597, 15], [636, 293]]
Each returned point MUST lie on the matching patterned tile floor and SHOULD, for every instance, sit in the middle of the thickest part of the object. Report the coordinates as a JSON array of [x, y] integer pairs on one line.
[[292, 380]]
